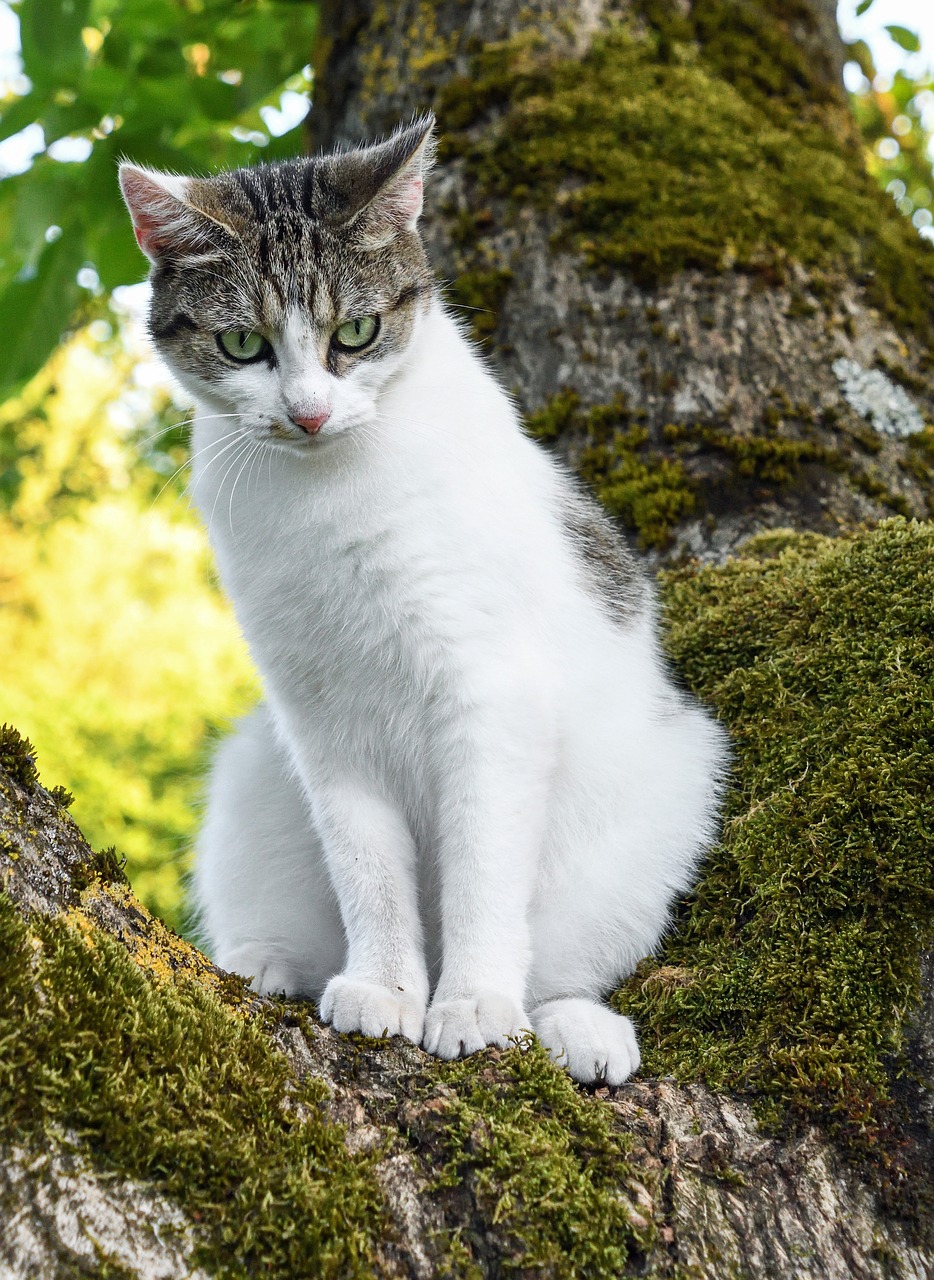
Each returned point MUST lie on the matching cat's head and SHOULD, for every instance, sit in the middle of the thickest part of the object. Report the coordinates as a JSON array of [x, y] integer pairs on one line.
[[288, 292]]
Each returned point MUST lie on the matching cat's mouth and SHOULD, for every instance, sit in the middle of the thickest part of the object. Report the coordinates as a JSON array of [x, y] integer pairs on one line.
[[280, 433], [293, 439]]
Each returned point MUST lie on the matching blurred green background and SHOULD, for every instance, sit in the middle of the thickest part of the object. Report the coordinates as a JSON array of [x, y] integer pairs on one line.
[[119, 657]]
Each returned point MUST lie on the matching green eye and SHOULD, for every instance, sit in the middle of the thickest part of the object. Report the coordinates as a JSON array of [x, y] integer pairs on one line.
[[354, 334], [243, 344]]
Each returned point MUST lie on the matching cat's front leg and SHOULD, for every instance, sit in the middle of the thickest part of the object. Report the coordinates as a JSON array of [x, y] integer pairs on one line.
[[370, 856], [493, 820]]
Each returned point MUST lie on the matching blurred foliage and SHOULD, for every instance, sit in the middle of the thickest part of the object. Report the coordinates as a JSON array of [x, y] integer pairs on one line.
[[896, 116], [120, 657], [177, 84]]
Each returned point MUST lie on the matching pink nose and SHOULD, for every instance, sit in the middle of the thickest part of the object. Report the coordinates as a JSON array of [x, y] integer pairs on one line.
[[312, 425]]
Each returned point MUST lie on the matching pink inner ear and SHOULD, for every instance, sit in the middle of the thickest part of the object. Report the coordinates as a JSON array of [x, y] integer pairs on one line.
[[411, 203], [155, 211], [147, 231]]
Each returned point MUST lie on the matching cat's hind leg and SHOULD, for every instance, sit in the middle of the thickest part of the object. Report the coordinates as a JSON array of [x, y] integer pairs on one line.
[[592, 1042], [264, 901]]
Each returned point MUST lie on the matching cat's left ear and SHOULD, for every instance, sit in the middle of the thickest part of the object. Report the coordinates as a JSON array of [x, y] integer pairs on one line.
[[382, 186], [165, 220]]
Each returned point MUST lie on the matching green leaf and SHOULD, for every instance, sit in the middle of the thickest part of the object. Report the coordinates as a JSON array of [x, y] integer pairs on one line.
[[20, 113], [861, 54], [111, 245], [910, 41], [33, 311], [53, 54], [862, 7]]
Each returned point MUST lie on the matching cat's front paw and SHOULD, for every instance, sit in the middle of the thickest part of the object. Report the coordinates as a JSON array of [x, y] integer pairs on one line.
[[592, 1042], [454, 1028], [351, 1004]]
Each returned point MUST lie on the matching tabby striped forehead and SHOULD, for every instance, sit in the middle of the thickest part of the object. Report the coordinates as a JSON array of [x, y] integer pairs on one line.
[[331, 238], [288, 253]]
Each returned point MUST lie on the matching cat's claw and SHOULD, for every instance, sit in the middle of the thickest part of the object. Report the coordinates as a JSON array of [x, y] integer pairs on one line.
[[454, 1028], [592, 1042], [351, 1004]]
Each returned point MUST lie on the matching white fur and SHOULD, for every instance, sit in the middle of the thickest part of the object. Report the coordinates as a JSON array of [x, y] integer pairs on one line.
[[469, 785]]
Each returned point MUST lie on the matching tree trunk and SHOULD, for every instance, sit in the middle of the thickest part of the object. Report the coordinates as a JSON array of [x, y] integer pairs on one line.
[[661, 213]]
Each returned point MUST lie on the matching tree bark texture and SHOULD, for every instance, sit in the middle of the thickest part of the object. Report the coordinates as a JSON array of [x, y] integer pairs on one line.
[[756, 359]]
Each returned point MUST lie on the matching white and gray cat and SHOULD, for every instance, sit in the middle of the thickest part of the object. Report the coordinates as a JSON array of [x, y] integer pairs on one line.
[[472, 790]]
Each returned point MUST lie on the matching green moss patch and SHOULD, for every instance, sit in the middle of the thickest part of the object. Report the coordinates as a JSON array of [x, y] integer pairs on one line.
[[545, 1167], [702, 141], [697, 468], [17, 757], [160, 1081], [797, 959], [648, 492]]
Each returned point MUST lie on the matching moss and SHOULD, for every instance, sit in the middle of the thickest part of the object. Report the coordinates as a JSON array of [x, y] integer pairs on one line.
[[752, 48], [919, 462], [545, 1165], [797, 958], [163, 1083], [769, 458], [649, 486], [910, 381], [703, 141], [104, 866], [62, 797], [873, 486], [648, 492], [17, 757]]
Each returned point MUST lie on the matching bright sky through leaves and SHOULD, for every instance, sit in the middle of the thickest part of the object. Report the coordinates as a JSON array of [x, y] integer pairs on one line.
[[914, 15]]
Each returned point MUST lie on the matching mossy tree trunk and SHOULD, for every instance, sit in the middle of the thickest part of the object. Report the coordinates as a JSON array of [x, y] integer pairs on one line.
[[660, 211]]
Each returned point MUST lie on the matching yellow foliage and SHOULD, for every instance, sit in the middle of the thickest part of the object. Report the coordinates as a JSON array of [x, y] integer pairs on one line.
[[120, 658]]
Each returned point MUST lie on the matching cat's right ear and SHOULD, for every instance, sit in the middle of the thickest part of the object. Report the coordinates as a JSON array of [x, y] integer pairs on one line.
[[164, 222], [379, 188]]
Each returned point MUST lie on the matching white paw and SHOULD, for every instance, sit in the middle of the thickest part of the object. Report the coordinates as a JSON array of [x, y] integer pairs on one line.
[[351, 1004], [269, 974], [590, 1040], [454, 1028]]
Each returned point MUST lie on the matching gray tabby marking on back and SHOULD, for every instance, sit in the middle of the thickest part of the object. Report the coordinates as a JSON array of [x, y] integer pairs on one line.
[[611, 571]]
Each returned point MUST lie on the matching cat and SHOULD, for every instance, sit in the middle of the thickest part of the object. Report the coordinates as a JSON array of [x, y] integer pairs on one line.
[[473, 790]]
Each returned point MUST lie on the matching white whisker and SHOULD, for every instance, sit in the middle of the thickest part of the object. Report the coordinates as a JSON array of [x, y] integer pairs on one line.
[[250, 457], [186, 492], [244, 443]]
